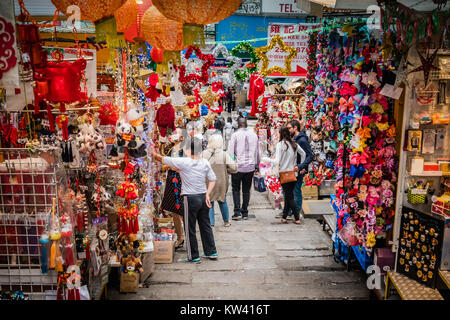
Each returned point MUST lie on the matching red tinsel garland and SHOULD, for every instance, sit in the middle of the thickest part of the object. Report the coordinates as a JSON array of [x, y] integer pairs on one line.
[[208, 61]]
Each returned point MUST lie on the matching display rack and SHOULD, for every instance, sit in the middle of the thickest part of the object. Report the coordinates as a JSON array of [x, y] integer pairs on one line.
[[27, 186]]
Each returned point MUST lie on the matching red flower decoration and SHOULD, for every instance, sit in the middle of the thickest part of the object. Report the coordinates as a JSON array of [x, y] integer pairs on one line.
[[208, 61]]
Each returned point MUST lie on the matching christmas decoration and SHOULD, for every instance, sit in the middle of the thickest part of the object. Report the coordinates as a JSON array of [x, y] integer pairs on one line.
[[261, 53]]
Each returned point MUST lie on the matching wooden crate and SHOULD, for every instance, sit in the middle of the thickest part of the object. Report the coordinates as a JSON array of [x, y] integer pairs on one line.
[[310, 192]]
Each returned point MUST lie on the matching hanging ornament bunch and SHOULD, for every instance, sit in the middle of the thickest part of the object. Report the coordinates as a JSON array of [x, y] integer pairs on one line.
[[310, 77], [251, 67]]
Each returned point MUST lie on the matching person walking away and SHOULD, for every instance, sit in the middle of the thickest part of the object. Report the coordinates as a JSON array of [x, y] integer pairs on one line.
[[244, 149], [228, 131], [286, 152], [222, 165], [296, 130], [195, 171], [219, 124]]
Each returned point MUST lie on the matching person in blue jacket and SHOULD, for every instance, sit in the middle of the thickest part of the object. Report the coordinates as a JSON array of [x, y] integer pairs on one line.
[[296, 130]]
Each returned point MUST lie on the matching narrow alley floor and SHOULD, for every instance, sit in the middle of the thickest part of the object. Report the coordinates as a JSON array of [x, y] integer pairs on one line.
[[259, 258]]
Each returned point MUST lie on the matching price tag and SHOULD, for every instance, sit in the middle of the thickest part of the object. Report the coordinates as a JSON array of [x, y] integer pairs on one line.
[[161, 100]]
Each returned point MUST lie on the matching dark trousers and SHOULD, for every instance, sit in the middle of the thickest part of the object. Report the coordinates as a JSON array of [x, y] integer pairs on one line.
[[195, 209], [289, 200], [244, 178]]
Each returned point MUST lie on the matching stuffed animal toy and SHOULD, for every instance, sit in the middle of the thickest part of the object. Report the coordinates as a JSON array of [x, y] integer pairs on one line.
[[125, 134], [89, 139], [135, 117], [131, 264], [139, 150]]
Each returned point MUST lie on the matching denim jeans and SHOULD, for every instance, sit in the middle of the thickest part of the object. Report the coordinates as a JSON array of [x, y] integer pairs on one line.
[[298, 192], [223, 209]]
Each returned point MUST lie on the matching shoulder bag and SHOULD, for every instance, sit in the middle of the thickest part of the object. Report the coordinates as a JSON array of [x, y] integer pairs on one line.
[[288, 176]]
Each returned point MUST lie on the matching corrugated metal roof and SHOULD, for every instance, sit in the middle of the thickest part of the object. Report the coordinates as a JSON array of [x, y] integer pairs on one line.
[[36, 7]]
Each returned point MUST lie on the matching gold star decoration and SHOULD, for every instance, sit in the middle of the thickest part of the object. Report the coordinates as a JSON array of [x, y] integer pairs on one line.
[[261, 53], [209, 97]]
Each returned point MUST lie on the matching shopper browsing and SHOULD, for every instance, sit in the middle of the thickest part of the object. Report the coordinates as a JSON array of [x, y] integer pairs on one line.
[[195, 171], [222, 165], [296, 130], [286, 160], [244, 148]]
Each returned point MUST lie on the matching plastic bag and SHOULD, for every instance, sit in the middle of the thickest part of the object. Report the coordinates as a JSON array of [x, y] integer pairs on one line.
[[348, 235]]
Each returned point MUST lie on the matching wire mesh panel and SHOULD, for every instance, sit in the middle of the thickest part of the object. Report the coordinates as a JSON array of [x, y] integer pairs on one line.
[[28, 183]]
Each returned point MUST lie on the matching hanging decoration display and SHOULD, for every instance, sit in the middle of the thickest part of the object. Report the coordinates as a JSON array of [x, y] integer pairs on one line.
[[196, 14], [260, 52], [234, 62], [208, 61], [251, 67], [427, 65]]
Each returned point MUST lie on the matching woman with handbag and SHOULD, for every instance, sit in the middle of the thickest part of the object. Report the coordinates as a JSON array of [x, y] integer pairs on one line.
[[222, 165], [286, 159]]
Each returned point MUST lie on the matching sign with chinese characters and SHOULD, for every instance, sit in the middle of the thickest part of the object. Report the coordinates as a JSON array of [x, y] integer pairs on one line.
[[237, 28], [293, 35], [280, 7]]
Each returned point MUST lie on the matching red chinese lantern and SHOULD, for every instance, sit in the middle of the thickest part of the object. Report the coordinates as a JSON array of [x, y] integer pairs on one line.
[[194, 14], [157, 55], [161, 32], [126, 15], [134, 32]]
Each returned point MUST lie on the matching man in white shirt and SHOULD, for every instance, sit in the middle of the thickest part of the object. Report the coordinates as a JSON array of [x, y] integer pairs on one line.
[[244, 149], [194, 172]]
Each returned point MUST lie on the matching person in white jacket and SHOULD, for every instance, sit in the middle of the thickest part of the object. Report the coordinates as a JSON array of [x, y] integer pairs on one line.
[[286, 160]]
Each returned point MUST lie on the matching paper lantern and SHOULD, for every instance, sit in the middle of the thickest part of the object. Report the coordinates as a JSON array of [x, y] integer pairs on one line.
[[92, 10], [194, 14], [161, 32], [126, 15], [157, 55], [134, 32]]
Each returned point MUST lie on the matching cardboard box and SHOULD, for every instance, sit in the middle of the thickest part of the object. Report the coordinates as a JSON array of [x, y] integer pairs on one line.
[[163, 251], [310, 192], [129, 282], [148, 264]]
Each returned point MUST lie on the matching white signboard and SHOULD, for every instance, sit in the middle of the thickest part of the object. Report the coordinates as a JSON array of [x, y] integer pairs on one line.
[[293, 35], [280, 7]]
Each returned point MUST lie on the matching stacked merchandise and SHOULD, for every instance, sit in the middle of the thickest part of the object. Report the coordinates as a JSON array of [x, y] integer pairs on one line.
[[365, 164]]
